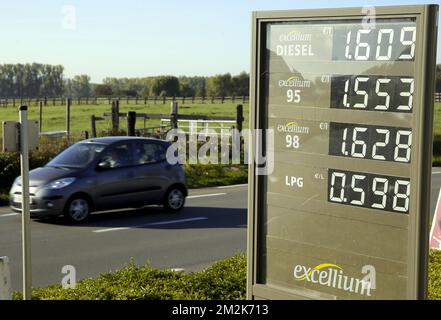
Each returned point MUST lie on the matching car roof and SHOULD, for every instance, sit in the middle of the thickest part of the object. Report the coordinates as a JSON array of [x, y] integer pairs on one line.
[[111, 140]]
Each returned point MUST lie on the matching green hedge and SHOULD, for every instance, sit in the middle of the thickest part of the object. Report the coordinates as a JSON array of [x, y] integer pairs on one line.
[[434, 275], [224, 280]]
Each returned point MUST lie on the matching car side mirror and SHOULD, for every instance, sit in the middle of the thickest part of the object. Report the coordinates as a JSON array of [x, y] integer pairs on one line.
[[104, 165]]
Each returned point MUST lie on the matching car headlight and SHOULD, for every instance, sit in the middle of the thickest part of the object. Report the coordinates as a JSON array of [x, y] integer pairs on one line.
[[60, 183]]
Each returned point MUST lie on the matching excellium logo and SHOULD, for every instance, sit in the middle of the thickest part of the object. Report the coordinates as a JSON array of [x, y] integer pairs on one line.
[[332, 275], [292, 127], [295, 82]]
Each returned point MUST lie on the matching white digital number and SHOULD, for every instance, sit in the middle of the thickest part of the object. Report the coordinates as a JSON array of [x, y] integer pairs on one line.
[[348, 42], [401, 196], [403, 146], [362, 45], [356, 143], [411, 42], [382, 192], [359, 92], [390, 33], [380, 144], [340, 198], [408, 94], [362, 193], [384, 94]]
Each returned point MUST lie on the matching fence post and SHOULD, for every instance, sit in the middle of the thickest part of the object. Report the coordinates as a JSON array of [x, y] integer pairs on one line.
[[45, 101], [131, 123], [93, 126], [41, 116], [115, 117], [86, 134], [239, 117], [174, 115], [222, 99], [243, 99], [68, 104], [212, 99]]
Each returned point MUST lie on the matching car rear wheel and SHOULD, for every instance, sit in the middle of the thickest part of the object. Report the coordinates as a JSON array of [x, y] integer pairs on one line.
[[77, 210], [174, 199]]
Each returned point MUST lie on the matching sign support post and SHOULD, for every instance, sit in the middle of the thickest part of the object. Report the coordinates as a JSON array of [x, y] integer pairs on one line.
[[26, 237]]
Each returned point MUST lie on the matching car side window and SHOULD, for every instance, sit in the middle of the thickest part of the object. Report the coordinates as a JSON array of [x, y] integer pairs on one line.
[[118, 156], [146, 152]]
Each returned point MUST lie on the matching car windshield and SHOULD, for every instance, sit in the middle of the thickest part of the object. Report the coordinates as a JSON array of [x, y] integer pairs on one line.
[[77, 156]]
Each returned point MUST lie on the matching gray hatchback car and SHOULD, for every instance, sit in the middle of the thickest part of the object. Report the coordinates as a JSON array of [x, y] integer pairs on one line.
[[104, 174]]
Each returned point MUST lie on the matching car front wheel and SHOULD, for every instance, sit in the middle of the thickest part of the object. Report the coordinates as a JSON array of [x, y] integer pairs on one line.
[[174, 199], [77, 210]]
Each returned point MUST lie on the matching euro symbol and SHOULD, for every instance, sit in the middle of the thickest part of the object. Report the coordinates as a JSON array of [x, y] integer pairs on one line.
[[327, 30], [319, 176]]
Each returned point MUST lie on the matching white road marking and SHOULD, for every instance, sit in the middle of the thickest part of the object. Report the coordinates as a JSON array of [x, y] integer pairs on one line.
[[436, 173], [206, 195], [151, 224], [232, 186], [9, 214]]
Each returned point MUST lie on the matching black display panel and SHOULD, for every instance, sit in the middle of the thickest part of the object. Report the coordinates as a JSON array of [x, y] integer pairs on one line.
[[369, 190], [372, 93], [370, 142], [384, 42]]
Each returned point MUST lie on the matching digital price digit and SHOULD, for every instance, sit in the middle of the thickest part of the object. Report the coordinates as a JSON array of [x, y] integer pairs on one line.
[[369, 190], [373, 93], [380, 44], [370, 142]]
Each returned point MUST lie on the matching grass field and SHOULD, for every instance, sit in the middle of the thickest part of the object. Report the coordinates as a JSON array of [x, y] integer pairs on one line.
[[54, 117]]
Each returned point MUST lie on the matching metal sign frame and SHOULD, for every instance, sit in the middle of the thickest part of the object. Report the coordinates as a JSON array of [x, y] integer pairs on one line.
[[422, 124]]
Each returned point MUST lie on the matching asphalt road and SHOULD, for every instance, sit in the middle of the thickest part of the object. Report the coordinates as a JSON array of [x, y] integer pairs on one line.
[[211, 227]]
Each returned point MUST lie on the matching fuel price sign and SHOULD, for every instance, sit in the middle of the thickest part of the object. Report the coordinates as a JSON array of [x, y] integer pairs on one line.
[[344, 213]]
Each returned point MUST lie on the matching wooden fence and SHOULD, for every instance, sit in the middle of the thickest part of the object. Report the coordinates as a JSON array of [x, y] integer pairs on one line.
[[14, 102], [173, 119]]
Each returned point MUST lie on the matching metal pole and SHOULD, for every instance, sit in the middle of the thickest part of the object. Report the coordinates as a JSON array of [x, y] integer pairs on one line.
[[5, 278], [26, 237]]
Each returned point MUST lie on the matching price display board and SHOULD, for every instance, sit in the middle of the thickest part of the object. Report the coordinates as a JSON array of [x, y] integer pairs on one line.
[[344, 212]]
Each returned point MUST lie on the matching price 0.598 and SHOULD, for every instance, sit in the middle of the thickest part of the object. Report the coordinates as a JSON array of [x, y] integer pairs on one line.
[[369, 190]]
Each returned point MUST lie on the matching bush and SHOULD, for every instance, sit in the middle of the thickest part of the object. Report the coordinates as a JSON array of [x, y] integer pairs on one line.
[[434, 274], [224, 280], [200, 175]]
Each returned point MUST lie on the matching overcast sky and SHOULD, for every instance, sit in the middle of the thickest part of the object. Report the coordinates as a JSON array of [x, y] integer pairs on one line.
[[135, 38]]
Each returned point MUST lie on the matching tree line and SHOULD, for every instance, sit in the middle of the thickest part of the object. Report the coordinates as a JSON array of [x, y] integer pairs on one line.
[[44, 80]]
